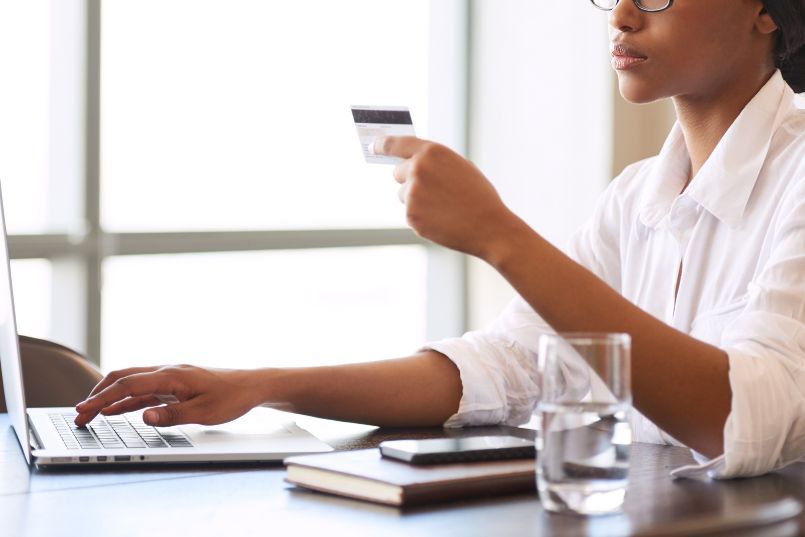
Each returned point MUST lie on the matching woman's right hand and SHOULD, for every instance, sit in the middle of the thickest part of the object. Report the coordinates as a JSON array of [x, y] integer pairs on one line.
[[193, 395]]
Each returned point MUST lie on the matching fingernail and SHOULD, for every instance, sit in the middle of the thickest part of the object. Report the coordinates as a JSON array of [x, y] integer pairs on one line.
[[150, 417]]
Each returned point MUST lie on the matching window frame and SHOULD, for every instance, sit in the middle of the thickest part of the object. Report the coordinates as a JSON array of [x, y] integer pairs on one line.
[[77, 256]]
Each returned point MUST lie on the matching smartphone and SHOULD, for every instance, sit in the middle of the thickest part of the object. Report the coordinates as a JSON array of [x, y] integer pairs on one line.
[[447, 450]]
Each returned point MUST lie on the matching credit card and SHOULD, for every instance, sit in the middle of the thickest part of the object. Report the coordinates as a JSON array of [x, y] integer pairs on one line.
[[374, 122]]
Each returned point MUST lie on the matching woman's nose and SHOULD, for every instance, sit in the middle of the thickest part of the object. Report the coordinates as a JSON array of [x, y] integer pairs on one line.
[[626, 16]]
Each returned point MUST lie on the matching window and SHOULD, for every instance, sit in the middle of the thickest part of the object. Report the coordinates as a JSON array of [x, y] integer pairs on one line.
[[300, 307], [33, 281], [235, 115], [24, 107], [200, 196]]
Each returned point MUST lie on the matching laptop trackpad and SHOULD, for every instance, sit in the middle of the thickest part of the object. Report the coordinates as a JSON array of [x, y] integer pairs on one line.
[[257, 427]]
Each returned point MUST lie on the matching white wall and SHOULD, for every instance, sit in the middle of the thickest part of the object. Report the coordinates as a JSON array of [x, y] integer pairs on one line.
[[638, 131], [540, 120]]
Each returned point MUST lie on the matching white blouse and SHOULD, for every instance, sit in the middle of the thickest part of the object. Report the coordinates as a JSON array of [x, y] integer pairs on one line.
[[739, 232]]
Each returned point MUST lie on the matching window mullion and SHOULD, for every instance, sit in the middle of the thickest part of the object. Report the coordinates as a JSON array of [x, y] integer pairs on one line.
[[449, 98], [94, 255]]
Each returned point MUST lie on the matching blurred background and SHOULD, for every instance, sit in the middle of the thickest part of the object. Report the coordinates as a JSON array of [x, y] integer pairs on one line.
[[183, 181]]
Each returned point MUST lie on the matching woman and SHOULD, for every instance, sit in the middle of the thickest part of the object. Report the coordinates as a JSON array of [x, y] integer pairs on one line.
[[698, 253]]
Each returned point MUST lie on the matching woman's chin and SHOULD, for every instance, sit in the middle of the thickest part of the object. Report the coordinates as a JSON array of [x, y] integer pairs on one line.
[[637, 91]]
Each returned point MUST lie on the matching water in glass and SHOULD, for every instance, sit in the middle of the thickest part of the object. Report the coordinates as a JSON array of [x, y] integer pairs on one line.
[[583, 461]]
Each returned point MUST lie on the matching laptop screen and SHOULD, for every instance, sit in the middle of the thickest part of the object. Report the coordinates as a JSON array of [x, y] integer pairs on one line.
[[9, 346]]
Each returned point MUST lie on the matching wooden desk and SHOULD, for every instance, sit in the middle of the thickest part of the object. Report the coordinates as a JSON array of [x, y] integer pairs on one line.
[[254, 500]]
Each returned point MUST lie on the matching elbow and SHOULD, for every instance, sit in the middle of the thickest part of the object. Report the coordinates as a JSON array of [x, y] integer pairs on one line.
[[711, 447]]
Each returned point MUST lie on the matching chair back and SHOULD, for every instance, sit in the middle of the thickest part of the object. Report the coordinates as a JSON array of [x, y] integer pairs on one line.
[[53, 375]]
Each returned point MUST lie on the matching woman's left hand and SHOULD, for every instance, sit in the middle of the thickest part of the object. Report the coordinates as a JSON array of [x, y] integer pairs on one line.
[[448, 200]]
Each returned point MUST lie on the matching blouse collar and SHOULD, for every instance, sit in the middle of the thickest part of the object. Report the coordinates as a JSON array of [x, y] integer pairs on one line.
[[725, 182]]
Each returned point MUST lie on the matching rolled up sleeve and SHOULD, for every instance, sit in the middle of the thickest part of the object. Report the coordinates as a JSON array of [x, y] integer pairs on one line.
[[765, 344], [766, 347], [766, 428], [498, 368]]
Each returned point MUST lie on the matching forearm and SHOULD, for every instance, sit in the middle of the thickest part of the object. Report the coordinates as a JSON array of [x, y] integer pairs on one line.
[[678, 382], [420, 390]]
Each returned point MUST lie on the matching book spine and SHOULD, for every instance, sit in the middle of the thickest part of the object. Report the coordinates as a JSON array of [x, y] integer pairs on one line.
[[415, 496]]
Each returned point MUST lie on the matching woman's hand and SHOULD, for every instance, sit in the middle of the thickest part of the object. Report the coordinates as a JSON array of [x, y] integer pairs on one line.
[[448, 200], [193, 394]]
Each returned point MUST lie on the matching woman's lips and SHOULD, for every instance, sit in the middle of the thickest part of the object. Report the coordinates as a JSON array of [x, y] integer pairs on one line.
[[624, 57]]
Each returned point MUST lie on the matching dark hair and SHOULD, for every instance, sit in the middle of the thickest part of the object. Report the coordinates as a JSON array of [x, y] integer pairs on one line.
[[789, 16]]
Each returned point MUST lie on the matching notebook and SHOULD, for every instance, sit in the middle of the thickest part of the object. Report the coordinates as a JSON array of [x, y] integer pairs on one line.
[[366, 475]]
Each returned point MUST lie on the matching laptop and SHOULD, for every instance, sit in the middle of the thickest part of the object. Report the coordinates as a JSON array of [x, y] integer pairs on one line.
[[49, 437]]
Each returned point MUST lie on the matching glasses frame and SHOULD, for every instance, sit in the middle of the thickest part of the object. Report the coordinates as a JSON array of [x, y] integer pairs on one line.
[[638, 4]]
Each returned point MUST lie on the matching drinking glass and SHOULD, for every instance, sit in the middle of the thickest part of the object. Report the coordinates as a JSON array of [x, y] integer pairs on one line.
[[584, 436]]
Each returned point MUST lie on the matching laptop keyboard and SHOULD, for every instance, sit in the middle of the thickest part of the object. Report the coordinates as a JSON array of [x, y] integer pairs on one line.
[[116, 432]]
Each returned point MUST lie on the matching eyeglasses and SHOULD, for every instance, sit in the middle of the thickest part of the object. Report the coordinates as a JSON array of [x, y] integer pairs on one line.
[[650, 6]]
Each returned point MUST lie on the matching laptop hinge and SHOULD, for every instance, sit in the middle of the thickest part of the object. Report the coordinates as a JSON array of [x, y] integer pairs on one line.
[[33, 440]]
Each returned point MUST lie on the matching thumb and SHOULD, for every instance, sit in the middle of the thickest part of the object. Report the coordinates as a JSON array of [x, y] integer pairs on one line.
[[396, 146], [174, 414]]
